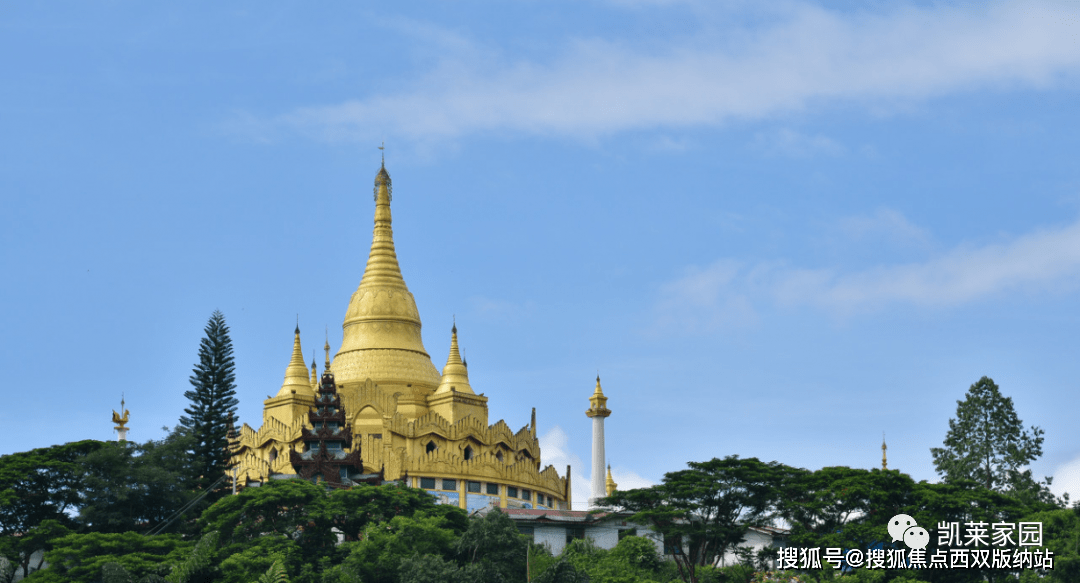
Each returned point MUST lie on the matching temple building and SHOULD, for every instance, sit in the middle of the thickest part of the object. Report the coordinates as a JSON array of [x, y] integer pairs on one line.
[[405, 419]]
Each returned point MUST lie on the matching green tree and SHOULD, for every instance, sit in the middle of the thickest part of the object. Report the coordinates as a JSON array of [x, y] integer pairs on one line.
[[378, 558], [706, 509], [1061, 534], [987, 442], [353, 509], [213, 403], [246, 562], [296, 509], [426, 568], [493, 547], [843, 507], [80, 558], [20, 550], [562, 571], [133, 486], [41, 484]]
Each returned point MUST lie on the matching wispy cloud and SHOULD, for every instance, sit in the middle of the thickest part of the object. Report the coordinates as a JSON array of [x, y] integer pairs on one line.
[[788, 142], [887, 224], [729, 69], [555, 450], [1067, 479], [716, 295]]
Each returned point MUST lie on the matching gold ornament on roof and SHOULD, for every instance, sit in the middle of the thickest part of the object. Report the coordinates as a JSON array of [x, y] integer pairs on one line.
[[884, 462], [598, 402], [121, 422]]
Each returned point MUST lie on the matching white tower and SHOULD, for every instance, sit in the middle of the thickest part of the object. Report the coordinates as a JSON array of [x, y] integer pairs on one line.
[[598, 411]]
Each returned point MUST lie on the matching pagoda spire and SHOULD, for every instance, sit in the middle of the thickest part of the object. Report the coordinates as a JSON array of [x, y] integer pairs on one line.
[[884, 461], [296, 374], [455, 377], [326, 347], [610, 484], [381, 331]]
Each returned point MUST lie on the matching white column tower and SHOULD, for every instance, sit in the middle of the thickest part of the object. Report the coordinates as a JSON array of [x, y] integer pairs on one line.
[[598, 411]]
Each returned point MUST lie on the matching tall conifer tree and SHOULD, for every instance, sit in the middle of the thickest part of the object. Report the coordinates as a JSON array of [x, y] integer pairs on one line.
[[213, 402]]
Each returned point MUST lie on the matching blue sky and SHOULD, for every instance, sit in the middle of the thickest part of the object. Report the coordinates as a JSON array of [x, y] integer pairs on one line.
[[774, 231]]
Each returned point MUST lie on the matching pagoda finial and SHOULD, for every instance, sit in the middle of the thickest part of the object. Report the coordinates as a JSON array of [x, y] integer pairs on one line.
[[884, 461], [326, 347], [609, 483], [382, 152]]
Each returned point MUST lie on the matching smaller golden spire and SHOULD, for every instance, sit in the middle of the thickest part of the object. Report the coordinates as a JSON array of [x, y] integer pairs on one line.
[[884, 462], [296, 374], [598, 402], [609, 484], [455, 377], [314, 373], [326, 347]]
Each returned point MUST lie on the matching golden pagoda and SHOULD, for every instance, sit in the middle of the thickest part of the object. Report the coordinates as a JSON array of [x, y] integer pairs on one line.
[[408, 421]]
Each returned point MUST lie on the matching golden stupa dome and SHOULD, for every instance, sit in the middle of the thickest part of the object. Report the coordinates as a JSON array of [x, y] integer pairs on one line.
[[382, 325]]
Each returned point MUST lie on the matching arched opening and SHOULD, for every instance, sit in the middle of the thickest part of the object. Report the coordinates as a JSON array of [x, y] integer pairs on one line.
[[468, 452], [430, 446], [273, 454], [499, 455]]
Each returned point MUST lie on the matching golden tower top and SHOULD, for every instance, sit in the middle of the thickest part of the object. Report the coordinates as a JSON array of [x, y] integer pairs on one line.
[[598, 402], [884, 462], [610, 484], [296, 374], [381, 338], [455, 377]]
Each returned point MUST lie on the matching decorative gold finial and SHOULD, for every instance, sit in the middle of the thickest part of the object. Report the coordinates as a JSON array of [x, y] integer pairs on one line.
[[884, 462], [598, 402], [382, 151], [121, 421], [609, 484], [326, 347]]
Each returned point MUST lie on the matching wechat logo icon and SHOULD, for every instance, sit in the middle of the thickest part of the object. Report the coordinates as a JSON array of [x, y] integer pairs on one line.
[[904, 528]]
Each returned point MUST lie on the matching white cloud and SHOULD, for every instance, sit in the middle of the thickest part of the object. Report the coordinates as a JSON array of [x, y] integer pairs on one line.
[[788, 142], [719, 294], [704, 299], [885, 224], [733, 68], [555, 450], [1067, 479]]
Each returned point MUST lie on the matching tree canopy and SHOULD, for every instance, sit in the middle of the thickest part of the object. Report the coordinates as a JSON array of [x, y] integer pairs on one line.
[[706, 509], [42, 484], [987, 442]]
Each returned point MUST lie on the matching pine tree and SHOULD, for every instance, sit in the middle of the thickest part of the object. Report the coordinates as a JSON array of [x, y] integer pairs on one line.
[[987, 442], [213, 403]]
